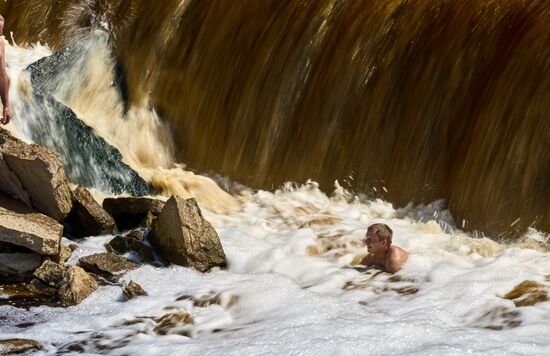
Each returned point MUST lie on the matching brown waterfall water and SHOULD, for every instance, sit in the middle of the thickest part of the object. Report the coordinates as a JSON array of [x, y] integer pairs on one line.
[[414, 100]]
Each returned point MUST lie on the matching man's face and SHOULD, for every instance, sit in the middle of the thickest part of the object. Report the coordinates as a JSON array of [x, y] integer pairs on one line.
[[374, 245], [1, 27]]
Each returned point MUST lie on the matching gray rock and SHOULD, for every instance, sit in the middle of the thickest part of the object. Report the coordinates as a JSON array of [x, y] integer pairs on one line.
[[130, 212], [39, 289], [133, 290], [147, 222], [9, 182], [10, 203], [18, 267], [65, 253], [133, 241], [76, 286], [16, 346], [106, 264], [50, 273], [181, 235], [41, 174], [36, 232], [87, 218]]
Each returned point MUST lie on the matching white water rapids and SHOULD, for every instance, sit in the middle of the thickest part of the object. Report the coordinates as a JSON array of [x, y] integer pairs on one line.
[[290, 287]]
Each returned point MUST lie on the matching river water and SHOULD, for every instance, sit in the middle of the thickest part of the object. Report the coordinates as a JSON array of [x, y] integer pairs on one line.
[[293, 285]]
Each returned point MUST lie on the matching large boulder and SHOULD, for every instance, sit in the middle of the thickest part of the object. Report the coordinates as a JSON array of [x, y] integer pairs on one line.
[[181, 235], [79, 144], [34, 231], [130, 212], [106, 264], [76, 286], [18, 267], [40, 173], [87, 218]]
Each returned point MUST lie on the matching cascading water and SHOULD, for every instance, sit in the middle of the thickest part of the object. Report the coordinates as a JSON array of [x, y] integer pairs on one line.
[[416, 101], [424, 100]]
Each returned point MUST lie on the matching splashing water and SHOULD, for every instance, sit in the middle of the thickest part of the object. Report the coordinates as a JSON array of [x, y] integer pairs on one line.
[[139, 134], [290, 288]]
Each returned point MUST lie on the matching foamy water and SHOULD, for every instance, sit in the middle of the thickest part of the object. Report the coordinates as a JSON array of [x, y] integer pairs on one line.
[[291, 288], [284, 292]]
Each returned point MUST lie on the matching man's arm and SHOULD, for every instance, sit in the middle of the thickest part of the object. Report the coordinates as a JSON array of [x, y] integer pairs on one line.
[[4, 86]]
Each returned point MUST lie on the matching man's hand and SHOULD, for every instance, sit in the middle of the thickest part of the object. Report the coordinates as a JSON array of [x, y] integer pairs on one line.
[[6, 116]]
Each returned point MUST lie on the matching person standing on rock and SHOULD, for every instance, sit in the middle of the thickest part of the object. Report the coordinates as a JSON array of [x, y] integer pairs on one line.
[[4, 79], [382, 254]]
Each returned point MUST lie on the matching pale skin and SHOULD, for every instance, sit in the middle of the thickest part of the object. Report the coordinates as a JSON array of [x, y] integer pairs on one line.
[[388, 258], [4, 82]]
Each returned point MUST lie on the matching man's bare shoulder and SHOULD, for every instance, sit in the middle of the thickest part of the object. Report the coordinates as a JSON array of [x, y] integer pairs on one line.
[[397, 258]]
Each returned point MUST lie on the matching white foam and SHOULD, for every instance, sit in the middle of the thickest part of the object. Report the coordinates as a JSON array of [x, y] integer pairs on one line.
[[292, 303]]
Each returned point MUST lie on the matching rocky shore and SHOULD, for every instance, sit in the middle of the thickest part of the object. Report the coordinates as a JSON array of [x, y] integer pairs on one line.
[[38, 208]]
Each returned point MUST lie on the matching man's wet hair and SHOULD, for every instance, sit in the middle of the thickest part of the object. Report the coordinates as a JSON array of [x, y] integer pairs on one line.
[[383, 231], [1, 18]]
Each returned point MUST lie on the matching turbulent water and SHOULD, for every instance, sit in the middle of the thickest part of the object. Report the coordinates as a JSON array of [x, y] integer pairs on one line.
[[290, 287], [289, 290], [399, 99]]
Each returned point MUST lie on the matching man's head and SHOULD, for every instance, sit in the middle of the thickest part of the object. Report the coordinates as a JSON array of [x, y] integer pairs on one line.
[[378, 238], [1, 25]]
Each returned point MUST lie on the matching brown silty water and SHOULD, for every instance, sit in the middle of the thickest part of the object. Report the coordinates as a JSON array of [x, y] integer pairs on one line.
[[425, 99]]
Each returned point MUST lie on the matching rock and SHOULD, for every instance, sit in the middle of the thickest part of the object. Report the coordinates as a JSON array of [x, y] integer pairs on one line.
[[133, 241], [65, 253], [129, 212], [18, 267], [41, 174], [76, 286], [16, 346], [87, 218], [173, 323], [78, 143], [11, 248], [181, 235], [106, 264], [39, 289], [133, 290], [147, 222], [36, 232], [9, 182], [9, 203], [138, 234], [50, 273]]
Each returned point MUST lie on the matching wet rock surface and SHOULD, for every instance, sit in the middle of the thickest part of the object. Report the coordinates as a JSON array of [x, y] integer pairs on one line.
[[181, 235], [34, 231], [16, 346], [76, 286], [40, 289], [18, 267], [40, 173], [50, 273], [106, 264], [65, 253], [79, 144], [133, 241], [133, 290], [130, 212], [87, 217], [527, 293]]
